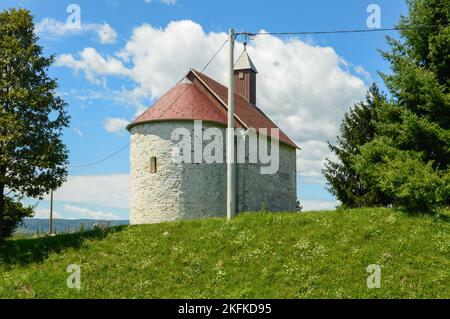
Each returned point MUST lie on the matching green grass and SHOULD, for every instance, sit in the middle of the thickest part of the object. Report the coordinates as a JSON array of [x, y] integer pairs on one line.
[[259, 255]]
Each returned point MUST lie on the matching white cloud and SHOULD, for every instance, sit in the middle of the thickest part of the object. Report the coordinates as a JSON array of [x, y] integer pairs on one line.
[[360, 70], [90, 214], [45, 214], [100, 190], [114, 125], [78, 131], [304, 88], [311, 159], [314, 205], [50, 28], [106, 34], [93, 65]]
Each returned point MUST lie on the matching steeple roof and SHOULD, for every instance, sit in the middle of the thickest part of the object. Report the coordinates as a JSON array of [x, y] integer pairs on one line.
[[244, 62]]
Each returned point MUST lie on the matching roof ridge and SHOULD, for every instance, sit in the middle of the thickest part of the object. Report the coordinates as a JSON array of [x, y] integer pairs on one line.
[[196, 73], [206, 101], [236, 93], [245, 101]]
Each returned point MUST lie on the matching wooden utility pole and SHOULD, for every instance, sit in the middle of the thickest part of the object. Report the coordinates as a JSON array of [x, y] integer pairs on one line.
[[231, 205], [51, 214]]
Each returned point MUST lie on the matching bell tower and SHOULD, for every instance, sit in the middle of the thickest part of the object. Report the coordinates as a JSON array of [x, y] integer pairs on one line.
[[245, 77]]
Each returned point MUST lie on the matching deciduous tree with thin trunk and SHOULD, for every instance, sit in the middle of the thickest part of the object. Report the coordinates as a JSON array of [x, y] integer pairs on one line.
[[33, 157]]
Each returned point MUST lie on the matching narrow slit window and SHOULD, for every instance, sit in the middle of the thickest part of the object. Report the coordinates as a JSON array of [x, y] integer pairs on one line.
[[153, 167], [241, 75]]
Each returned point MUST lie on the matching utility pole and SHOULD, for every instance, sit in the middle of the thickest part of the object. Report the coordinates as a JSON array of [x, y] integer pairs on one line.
[[231, 206], [51, 214]]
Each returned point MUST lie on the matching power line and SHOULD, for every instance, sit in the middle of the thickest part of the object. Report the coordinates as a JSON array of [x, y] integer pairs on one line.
[[249, 34], [340, 31], [124, 147], [203, 69], [214, 56], [101, 160]]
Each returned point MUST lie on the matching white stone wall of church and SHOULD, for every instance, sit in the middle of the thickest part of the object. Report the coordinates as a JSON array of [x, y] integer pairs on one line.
[[276, 192], [176, 191], [187, 191]]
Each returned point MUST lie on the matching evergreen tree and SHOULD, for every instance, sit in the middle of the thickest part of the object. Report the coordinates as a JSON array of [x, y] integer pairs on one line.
[[409, 159], [420, 82], [32, 155], [357, 128]]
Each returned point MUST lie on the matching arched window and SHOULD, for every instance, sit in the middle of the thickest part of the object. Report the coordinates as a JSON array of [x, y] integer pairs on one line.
[[153, 166]]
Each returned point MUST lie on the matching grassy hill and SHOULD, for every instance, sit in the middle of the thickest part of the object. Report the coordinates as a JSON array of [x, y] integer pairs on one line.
[[311, 255]]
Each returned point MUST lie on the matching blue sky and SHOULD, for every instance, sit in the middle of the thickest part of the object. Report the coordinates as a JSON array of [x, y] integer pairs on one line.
[[108, 74]]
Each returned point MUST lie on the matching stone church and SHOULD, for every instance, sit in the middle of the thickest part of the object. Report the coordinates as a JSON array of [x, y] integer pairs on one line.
[[163, 190]]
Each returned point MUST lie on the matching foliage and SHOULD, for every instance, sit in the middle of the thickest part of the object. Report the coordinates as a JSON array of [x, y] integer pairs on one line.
[[406, 159], [298, 206], [258, 255], [32, 155], [417, 125], [403, 175], [14, 214], [357, 128]]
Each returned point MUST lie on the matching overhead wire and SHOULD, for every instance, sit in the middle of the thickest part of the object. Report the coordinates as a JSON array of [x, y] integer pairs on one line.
[[187, 87], [340, 31], [101, 160], [128, 144], [247, 34]]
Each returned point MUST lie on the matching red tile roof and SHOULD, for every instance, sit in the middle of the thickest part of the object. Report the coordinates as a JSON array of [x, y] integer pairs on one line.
[[188, 102], [183, 102], [250, 115]]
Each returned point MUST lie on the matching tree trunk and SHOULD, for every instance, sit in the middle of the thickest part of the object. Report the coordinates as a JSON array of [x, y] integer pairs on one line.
[[2, 211], [2, 202]]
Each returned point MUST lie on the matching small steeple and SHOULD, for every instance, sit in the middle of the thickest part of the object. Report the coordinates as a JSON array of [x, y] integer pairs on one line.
[[245, 76], [244, 62]]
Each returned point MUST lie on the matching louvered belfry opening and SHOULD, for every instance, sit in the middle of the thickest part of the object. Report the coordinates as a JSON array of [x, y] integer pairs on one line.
[[245, 77]]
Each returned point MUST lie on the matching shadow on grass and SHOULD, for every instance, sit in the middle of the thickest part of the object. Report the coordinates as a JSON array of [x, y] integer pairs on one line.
[[26, 251], [439, 216], [444, 218]]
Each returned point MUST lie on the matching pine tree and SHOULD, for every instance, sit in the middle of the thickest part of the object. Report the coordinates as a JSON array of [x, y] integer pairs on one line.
[[357, 128], [420, 82], [409, 159], [32, 155]]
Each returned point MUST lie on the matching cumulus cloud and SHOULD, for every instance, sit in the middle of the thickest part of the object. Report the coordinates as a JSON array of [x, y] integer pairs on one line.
[[50, 28], [94, 66], [115, 125], [100, 190], [106, 34], [90, 214], [314, 205], [45, 214], [304, 88]]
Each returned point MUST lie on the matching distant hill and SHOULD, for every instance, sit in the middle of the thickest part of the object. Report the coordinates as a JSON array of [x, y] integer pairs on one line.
[[35, 225], [257, 255]]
